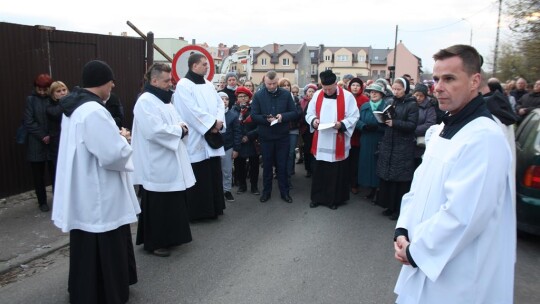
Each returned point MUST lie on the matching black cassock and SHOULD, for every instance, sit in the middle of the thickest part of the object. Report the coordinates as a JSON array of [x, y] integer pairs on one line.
[[163, 221], [330, 182], [205, 199]]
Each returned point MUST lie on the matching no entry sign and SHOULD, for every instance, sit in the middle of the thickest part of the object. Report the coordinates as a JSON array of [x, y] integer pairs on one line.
[[180, 61]]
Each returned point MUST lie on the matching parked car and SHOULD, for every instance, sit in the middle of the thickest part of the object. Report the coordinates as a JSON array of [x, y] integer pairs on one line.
[[528, 174]]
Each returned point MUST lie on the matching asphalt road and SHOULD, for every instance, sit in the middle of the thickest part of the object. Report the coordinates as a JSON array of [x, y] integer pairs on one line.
[[267, 253]]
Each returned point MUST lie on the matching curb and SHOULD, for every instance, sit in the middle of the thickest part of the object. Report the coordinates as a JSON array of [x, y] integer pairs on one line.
[[35, 254]]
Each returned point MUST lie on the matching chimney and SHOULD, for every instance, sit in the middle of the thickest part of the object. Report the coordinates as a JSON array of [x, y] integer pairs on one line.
[[123, 34], [193, 41], [276, 48], [181, 38]]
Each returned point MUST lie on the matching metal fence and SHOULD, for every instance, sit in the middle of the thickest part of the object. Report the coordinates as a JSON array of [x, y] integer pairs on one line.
[[27, 51]]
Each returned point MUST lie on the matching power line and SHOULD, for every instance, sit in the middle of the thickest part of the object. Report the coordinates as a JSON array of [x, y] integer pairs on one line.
[[448, 25]]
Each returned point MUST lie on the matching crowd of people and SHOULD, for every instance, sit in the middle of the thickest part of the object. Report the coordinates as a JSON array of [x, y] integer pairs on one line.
[[190, 147]]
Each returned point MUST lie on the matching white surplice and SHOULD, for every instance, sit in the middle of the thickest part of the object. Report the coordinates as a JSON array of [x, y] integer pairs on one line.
[[160, 155], [93, 191], [200, 106], [326, 144], [461, 220]]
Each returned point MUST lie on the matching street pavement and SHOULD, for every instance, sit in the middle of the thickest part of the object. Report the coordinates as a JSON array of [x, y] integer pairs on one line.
[[270, 252]]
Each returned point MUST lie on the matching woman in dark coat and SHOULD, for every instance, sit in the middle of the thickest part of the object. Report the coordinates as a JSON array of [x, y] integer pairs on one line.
[[36, 123], [247, 162], [427, 117], [372, 133], [395, 165], [307, 137]]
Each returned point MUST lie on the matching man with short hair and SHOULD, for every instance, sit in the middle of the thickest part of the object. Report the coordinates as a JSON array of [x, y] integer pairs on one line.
[[529, 101], [94, 199], [456, 234], [203, 111], [162, 166], [272, 109], [336, 110], [520, 90]]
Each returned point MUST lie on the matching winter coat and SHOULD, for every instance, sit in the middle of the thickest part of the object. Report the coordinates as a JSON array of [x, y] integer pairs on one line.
[[369, 141], [396, 150], [35, 121], [232, 138], [54, 117], [426, 118], [249, 129]]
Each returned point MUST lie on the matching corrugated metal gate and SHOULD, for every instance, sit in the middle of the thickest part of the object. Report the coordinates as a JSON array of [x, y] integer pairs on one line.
[[26, 51]]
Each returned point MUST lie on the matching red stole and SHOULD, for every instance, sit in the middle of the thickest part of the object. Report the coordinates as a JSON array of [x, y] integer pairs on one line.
[[340, 137]]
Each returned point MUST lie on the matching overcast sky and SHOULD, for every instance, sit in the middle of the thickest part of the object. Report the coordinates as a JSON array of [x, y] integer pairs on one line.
[[424, 26]]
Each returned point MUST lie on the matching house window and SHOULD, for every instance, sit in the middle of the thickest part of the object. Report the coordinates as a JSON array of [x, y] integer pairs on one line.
[[285, 61], [342, 58], [361, 58], [263, 61], [383, 74], [312, 54], [376, 57], [313, 69], [327, 58]]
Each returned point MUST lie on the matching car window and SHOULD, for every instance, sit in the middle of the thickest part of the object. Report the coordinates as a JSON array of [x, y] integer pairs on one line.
[[528, 126]]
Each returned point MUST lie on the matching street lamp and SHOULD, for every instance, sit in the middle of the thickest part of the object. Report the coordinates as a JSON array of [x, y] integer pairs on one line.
[[470, 24]]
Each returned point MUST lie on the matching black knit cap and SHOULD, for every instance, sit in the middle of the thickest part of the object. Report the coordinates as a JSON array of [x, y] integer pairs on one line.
[[327, 77], [96, 73]]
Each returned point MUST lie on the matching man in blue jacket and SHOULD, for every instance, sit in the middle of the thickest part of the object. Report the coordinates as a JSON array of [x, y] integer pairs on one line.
[[271, 109]]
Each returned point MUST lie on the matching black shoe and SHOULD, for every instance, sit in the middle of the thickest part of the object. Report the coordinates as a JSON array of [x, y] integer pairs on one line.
[[264, 197], [287, 198], [333, 207], [394, 216], [387, 212], [44, 208], [313, 205], [241, 189], [308, 174], [255, 191], [228, 196], [300, 161]]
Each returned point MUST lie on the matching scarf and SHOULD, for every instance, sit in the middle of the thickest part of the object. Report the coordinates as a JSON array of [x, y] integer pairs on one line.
[[195, 78], [374, 105], [340, 136], [163, 95]]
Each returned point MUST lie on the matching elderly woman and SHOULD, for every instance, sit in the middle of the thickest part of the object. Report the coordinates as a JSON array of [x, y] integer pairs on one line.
[[249, 147], [36, 122], [54, 111], [426, 118], [372, 133], [395, 165], [307, 137], [356, 87]]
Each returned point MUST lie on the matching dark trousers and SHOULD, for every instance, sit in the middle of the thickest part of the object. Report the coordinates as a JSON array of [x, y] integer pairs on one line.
[[308, 157], [275, 151], [38, 173], [242, 169]]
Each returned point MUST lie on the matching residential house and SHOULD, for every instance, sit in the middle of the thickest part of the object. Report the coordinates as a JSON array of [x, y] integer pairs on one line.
[[170, 46], [406, 62], [345, 60], [290, 61], [378, 63]]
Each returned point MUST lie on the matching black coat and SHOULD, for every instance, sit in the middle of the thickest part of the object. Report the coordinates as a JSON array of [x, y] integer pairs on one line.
[[273, 103], [36, 122], [248, 128], [396, 148]]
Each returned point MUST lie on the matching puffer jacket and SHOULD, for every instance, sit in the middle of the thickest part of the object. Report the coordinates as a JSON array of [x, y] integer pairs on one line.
[[396, 148]]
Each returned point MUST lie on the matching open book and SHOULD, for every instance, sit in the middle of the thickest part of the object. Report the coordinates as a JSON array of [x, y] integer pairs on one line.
[[384, 115]]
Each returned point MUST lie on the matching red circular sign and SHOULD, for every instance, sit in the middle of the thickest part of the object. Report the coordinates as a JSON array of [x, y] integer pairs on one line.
[[180, 66]]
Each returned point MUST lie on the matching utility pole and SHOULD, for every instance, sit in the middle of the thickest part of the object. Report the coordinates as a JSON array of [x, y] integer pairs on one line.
[[497, 40], [393, 73]]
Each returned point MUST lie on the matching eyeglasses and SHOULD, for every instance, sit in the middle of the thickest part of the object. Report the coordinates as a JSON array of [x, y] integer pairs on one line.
[[243, 97]]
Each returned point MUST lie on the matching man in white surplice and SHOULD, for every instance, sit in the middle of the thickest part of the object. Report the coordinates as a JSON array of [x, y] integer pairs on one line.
[[197, 101], [456, 235]]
